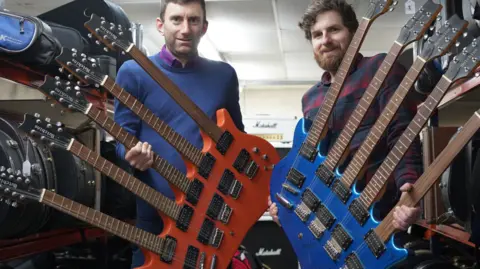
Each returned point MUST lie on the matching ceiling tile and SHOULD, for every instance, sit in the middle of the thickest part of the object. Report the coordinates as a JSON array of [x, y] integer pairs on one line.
[[294, 41], [257, 67], [302, 66]]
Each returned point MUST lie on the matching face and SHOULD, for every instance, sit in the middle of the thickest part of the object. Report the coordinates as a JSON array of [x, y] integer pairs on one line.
[[183, 28], [330, 40]]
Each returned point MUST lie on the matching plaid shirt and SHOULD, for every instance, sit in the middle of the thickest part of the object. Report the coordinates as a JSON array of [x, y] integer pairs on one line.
[[363, 71]]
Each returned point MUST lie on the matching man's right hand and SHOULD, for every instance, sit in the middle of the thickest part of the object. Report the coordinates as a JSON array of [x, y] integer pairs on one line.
[[273, 210], [140, 156]]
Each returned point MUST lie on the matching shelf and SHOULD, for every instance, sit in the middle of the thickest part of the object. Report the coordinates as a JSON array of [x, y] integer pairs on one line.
[[43, 242], [451, 231]]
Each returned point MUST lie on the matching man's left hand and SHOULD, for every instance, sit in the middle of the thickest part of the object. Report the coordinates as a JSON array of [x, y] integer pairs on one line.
[[404, 216]]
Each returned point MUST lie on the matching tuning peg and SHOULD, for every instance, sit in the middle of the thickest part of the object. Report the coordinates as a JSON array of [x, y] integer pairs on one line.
[[49, 126], [79, 83], [123, 52], [60, 70], [52, 144], [47, 119], [59, 130], [18, 173], [9, 170], [70, 76], [6, 190], [62, 112], [391, 9], [94, 65], [27, 181], [78, 94], [59, 124], [120, 34], [97, 42], [36, 115], [14, 204], [477, 74], [432, 27], [105, 49], [90, 35], [457, 44], [439, 18], [97, 85], [77, 88], [102, 18], [74, 50], [19, 179], [395, 3], [14, 194], [42, 138], [21, 197]]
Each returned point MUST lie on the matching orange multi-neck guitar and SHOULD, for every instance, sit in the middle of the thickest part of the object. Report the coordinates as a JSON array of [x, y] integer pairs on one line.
[[232, 165]]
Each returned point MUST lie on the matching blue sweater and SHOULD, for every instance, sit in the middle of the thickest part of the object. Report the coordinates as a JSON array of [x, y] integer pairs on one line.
[[211, 85]]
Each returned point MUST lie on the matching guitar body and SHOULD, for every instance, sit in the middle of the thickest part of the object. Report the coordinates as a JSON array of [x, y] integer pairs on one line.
[[246, 209], [303, 241]]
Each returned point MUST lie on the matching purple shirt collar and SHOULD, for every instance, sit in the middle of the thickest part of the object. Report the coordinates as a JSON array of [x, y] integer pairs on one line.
[[169, 59]]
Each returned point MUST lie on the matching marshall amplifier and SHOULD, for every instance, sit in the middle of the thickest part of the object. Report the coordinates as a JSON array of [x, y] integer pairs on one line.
[[267, 241]]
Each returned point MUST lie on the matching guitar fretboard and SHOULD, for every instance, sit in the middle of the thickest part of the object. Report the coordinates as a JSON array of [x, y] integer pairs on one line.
[[316, 131], [98, 219], [432, 173], [142, 190], [363, 153], [188, 150], [341, 144], [165, 169], [373, 188]]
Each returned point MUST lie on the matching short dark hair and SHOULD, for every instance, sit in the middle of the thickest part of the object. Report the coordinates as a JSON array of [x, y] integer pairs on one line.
[[164, 4], [320, 6]]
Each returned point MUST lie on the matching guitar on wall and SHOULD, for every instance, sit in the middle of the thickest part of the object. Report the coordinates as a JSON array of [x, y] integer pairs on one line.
[[199, 240], [369, 247], [159, 251], [242, 194], [250, 156]]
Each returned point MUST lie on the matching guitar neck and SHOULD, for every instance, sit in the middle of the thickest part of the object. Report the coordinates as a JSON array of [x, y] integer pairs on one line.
[[317, 129], [335, 154], [165, 169], [432, 173], [205, 123], [188, 150], [361, 156], [379, 179], [103, 221], [142, 190]]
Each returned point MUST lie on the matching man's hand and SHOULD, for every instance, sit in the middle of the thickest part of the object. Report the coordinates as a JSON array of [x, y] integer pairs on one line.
[[273, 210], [404, 216], [140, 156]]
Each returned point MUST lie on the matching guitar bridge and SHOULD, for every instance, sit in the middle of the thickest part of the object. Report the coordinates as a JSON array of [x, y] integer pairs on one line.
[[310, 199], [303, 212], [333, 249], [194, 190], [191, 258], [184, 218], [308, 152], [168, 250], [290, 189], [352, 262], [251, 170], [374, 243], [325, 175], [283, 201], [241, 161], [317, 228], [224, 142], [295, 177], [358, 211], [206, 165], [341, 191]]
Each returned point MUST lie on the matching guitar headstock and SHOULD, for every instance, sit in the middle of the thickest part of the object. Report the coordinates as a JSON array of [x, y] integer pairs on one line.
[[42, 129], [464, 63], [379, 7], [65, 93], [416, 26], [113, 36], [15, 188], [444, 38], [84, 68]]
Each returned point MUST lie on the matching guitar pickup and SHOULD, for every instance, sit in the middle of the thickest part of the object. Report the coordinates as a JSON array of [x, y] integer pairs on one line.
[[224, 142], [218, 209], [241, 161], [206, 165], [303, 212], [374, 243], [228, 185], [333, 249], [308, 152], [283, 201], [194, 190], [317, 228], [184, 218], [310, 199], [191, 258], [341, 191], [168, 249], [295, 177], [339, 235], [290, 189], [209, 234], [325, 175], [352, 262], [359, 212], [325, 216]]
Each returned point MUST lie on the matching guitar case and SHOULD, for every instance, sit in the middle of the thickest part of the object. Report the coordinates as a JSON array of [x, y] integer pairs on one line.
[[76, 13]]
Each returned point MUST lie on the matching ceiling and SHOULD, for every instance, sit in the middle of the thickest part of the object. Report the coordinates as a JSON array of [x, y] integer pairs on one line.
[[259, 38]]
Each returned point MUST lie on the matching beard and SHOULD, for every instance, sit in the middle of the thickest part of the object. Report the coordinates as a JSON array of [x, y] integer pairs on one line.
[[329, 63]]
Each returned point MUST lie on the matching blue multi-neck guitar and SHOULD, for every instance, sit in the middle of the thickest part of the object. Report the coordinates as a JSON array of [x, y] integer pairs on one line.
[[304, 229]]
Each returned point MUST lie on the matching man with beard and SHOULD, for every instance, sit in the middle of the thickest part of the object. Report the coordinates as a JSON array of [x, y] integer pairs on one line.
[[329, 25], [211, 85]]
